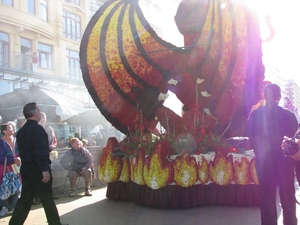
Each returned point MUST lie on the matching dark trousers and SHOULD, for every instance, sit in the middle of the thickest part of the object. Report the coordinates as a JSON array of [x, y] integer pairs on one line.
[[32, 184], [274, 169]]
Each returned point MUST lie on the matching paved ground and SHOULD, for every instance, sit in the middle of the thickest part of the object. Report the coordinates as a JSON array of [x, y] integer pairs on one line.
[[83, 210]]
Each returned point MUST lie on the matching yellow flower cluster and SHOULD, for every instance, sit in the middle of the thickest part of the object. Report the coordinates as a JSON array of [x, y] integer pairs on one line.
[[136, 169], [125, 172], [203, 173], [185, 171], [221, 170], [110, 170], [241, 172], [156, 176], [252, 171]]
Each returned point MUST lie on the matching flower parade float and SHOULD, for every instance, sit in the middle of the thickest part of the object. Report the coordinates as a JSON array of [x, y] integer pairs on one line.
[[198, 158]]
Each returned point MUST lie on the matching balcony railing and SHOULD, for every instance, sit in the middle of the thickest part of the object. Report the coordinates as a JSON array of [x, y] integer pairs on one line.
[[17, 67]]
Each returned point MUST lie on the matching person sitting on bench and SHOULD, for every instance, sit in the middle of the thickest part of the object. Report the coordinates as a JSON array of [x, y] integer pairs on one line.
[[79, 162]]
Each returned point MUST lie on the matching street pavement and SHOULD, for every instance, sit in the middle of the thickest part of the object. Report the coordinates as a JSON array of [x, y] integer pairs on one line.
[[97, 209]]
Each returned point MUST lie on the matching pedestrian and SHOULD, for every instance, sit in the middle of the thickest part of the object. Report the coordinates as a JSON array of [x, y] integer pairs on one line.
[[35, 171], [20, 122], [35, 60], [266, 129], [49, 130], [9, 153], [84, 143], [286, 142], [52, 140]]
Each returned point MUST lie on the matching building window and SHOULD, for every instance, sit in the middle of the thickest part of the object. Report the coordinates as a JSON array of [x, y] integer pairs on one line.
[[31, 6], [73, 1], [44, 56], [7, 2], [72, 27], [72, 65], [4, 49], [44, 9], [93, 7]]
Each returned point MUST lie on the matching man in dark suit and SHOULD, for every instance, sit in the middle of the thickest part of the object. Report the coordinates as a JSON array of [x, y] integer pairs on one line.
[[267, 127], [36, 174]]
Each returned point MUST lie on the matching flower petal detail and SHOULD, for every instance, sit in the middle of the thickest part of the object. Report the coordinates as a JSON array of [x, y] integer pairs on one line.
[[200, 81], [162, 97], [205, 94], [172, 81]]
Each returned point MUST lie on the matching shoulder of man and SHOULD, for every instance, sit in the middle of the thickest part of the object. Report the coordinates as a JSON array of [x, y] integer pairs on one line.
[[259, 110], [286, 112], [39, 128], [255, 112]]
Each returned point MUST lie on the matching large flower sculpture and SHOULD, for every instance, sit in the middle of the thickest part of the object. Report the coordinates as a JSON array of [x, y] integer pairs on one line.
[[122, 57], [217, 75], [114, 59]]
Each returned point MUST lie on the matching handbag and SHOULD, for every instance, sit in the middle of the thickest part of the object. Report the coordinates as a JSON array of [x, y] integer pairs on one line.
[[11, 183]]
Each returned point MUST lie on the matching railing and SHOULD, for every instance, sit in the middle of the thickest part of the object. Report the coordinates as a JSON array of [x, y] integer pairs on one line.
[[15, 67]]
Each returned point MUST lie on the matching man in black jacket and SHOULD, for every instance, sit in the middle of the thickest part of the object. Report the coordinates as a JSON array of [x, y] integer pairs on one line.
[[35, 170], [267, 127]]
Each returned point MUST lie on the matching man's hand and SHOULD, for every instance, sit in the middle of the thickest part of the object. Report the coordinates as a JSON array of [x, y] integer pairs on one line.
[[18, 161], [46, 177], [284, 144]]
